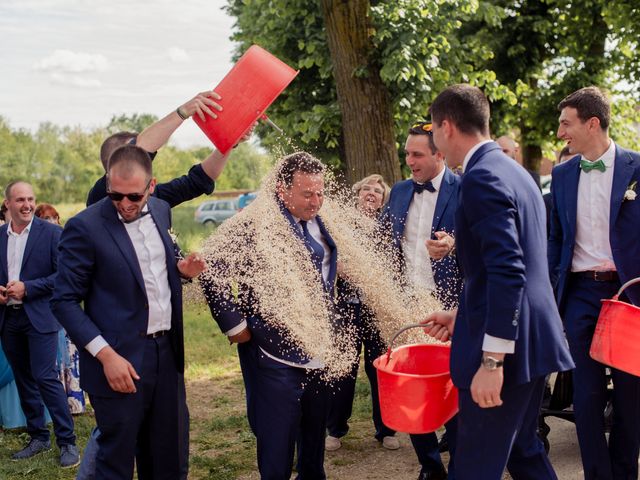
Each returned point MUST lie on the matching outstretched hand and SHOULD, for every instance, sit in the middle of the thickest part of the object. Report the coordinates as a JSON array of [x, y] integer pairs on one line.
[[192, 266], [202, 103], [440, 325]]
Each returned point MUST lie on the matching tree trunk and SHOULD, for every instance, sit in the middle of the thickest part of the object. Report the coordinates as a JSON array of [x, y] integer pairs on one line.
[[367, 120]]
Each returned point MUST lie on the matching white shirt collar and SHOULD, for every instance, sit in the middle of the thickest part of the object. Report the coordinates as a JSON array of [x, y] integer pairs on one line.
[[26, 229], [608, 157], [470, 153]]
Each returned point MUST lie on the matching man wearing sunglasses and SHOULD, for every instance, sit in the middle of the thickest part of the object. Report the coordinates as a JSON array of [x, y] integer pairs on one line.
[[420, 215], [118, 260]]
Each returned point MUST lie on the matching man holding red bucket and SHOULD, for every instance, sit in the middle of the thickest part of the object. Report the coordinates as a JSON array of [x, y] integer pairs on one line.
[[421, 210], [508, 334], [593, 249]]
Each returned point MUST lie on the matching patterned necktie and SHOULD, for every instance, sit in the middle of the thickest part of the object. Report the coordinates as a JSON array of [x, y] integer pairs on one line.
[[587, 166], [421, 187], [317, 252]]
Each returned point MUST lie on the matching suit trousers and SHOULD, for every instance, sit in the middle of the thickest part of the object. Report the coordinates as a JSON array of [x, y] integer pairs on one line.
[[286, 408], [32, 356], [428, 452], [151, 424], [619, 459], [490, 439]]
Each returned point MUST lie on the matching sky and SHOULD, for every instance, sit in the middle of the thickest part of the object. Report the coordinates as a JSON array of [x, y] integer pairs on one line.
[[79, 62]]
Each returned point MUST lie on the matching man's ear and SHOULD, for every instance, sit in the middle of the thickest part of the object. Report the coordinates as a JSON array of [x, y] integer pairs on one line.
[[152, 185]]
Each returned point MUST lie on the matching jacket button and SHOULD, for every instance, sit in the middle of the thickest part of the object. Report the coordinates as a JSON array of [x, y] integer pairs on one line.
[[514, 323]]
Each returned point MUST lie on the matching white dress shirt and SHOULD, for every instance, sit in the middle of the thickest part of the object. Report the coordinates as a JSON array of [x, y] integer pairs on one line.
[[417, 230], [152, 259], [592, 250], [16, 244], [490, 343]]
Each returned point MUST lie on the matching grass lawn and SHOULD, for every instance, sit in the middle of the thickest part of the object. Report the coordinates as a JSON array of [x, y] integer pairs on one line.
[[222, 446]]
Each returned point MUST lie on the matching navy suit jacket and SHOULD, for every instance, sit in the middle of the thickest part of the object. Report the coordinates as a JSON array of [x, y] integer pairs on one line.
[[502, 242], [98, 266], [228, 314], [623, 223], [38, 270], [446, 273]]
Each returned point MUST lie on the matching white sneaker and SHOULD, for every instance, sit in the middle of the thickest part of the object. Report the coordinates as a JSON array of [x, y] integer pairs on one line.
[[390, 443], [332, 443]]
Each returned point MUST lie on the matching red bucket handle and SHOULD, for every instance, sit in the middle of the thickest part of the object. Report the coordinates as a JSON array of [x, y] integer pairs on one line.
[[623, 287], [404, 329]]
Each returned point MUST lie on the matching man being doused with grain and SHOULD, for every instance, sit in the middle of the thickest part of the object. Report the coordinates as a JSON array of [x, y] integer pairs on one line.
[[253, 290]]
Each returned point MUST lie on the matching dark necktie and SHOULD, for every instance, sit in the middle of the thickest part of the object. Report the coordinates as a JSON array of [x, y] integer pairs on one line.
[[317, 252], [421, 187], [587, 166]]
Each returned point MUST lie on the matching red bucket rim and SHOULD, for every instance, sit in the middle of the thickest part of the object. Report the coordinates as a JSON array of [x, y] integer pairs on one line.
[[377, 361]]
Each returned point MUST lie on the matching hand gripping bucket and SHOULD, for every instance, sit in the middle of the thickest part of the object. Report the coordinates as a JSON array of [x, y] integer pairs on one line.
[[415, 388], [253, 83], [616, 341]]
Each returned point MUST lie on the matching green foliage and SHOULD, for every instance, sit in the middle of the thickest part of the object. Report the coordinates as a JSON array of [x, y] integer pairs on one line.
[[136, 122], [63, 163], [413, 44]]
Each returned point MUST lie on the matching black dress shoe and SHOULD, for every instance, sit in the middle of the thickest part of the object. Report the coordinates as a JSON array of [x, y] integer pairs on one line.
[[437, 475]]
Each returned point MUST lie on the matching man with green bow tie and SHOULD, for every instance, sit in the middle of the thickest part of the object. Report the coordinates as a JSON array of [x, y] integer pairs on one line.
[[594, 248]]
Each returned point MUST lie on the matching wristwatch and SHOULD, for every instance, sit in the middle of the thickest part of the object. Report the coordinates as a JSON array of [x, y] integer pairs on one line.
[[491, 363]]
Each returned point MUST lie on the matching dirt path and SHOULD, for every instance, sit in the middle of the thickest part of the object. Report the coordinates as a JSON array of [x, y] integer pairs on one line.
[[364, 459]]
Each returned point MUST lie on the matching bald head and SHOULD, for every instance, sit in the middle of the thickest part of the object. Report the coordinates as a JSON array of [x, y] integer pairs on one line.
[[508, 145]]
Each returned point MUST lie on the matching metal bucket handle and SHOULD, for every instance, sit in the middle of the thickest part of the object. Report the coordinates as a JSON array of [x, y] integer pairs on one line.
[[404, 329], [623, 287]]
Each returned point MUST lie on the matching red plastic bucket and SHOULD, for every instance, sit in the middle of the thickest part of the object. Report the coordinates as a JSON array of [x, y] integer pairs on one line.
[[415, 388], [616, 340], [253, 83]]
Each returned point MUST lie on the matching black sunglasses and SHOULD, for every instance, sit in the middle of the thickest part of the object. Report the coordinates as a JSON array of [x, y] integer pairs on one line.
[[133, 197]]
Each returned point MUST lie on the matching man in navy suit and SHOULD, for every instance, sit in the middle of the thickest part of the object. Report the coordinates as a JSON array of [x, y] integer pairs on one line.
[[118, 258], [420, 214], [594, 248], [508, 334], [286, 399], [29, 254]]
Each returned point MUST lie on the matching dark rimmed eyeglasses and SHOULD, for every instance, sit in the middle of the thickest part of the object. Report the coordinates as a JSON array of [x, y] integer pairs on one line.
[[425, 126], [133, 197]]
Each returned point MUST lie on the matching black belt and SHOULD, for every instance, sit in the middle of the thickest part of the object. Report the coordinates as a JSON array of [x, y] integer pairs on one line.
[[160, 333], [599, 276], [15, 306]]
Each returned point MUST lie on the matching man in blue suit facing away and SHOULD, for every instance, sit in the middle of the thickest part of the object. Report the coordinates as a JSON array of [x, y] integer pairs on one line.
[[594, 247], [286, 398], [118, 294], [422, 210], [29, 258], [508, 334]]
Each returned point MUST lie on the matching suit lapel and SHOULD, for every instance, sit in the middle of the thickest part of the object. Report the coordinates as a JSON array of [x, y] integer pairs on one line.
[[32, 241], [118, 232], [570, 189], [3, 252], [446, 189], [622, 174], [400, 210], [169, 247], [334, 253]]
